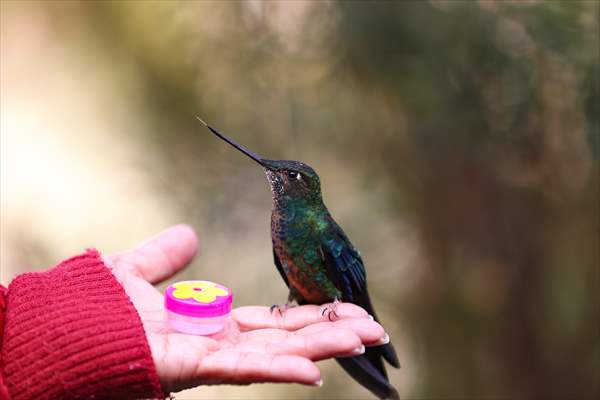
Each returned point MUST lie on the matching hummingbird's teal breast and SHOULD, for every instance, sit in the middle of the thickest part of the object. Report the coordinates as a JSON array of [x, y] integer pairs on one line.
[[296, 230]]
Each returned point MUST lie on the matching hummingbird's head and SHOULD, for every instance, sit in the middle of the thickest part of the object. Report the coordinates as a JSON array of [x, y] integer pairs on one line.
[[286, 178], [292, 178]]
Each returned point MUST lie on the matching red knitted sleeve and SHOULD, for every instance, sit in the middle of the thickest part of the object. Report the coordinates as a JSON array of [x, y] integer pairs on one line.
[[72, 332]]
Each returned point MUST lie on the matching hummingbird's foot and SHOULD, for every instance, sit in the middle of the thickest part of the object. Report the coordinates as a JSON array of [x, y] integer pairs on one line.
[[331, 309], [282, 309]]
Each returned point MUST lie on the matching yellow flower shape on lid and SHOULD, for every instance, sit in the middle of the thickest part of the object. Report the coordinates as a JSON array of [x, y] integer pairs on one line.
[[201, 291]]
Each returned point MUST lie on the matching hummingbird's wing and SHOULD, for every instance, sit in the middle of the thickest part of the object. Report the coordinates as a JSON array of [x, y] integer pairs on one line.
[[345, 268]]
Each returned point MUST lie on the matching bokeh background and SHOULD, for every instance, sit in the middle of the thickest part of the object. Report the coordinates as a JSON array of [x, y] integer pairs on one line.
[[457, 143]]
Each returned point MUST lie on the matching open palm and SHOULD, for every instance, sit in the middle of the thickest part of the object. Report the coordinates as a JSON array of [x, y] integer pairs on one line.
[[256, 346]]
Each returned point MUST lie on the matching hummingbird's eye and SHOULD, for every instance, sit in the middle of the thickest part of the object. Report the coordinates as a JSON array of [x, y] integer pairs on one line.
[[294, 175]]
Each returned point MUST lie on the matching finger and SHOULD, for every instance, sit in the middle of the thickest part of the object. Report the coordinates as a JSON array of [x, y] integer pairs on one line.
[[316, 346], [161, 256], [368, 331], [234, 367], [176, 357], [254, 317]]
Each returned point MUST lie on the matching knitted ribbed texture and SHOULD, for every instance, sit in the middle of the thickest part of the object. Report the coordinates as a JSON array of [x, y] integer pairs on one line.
[[72, 332]]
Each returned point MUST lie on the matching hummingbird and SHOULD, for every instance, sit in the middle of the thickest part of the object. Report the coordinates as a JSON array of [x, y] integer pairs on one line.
[[317, 261]]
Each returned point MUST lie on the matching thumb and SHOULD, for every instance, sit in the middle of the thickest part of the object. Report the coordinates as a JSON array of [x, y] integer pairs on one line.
[[160, 257]]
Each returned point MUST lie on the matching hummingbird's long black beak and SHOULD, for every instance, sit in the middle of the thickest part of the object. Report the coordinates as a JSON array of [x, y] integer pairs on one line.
[[247, 152]]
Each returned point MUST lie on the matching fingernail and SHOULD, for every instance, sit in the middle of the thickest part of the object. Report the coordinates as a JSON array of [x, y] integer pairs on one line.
[[356, 352], [383, 340], [319, 383]]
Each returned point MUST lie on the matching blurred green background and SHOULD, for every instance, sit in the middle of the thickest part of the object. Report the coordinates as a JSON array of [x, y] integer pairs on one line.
[[457, 143]]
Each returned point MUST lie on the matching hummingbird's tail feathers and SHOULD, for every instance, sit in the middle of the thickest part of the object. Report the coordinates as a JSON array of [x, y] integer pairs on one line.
[[389, 354], [363, 370], [387, 351]]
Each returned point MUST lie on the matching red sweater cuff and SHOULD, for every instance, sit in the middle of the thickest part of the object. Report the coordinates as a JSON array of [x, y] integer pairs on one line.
[[72, 332]]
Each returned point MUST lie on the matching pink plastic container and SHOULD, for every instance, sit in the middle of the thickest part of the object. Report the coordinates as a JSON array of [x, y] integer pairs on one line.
[[197, 307]]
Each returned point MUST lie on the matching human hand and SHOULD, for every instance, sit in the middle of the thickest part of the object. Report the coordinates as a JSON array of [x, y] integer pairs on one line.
[[257, 346]]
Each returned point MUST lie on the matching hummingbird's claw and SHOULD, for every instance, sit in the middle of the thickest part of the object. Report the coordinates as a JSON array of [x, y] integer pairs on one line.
[[273, 307], [331, 309], [281, 309]]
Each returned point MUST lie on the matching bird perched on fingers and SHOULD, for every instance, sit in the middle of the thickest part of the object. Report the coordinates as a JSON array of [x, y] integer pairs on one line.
[[317, 261]]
